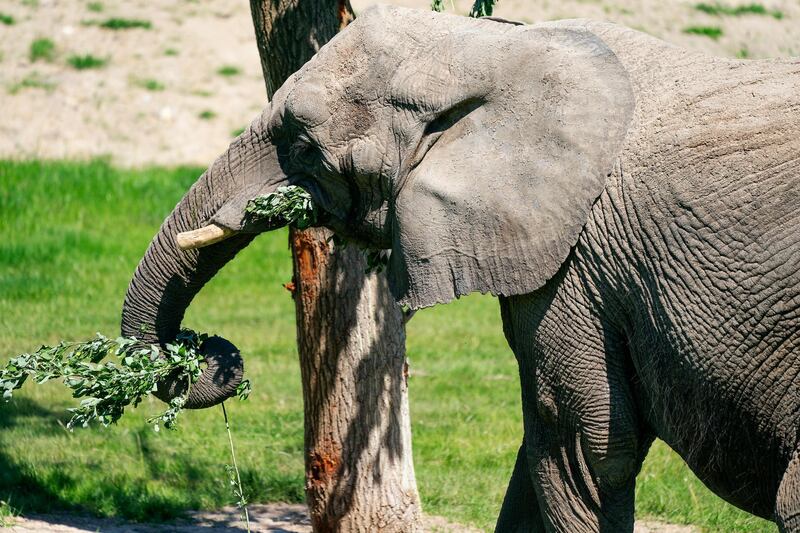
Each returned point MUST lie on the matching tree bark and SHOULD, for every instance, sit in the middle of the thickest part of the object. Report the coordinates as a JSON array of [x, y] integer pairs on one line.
[[350, 334]]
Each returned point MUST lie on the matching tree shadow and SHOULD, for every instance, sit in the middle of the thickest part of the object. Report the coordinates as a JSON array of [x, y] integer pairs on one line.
[[31, 488], [20, 486]]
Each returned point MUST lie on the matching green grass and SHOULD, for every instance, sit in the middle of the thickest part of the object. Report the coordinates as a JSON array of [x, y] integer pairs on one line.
[[7, 514], [229, 70], [206, 114], [87, 61], [736, 11], [95, 7], [667, 489], [237, 132], [34, 80], [170, 52], [6, 19], [149, 84], [712, 32], [125, 24], [44, 49], [72, 236]]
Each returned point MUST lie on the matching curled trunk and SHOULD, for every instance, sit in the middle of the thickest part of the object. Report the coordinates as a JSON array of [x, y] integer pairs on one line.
[[168, 278]]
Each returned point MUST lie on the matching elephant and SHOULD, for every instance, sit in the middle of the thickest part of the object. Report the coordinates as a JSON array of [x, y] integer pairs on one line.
[[632, 205]]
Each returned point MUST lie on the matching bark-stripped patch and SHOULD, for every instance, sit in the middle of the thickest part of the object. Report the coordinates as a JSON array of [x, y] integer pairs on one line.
[[344, 14], [311, 256], [322, 467], [290, 286]]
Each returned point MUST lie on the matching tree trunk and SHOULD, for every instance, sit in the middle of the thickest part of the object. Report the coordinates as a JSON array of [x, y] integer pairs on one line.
[[350, 334]]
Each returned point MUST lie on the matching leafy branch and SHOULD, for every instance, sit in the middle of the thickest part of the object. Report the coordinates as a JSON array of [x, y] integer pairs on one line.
[[234, 478], [293, 205], [437, 5], [480, 8], [289, 205], [377, 260], [108, 387]]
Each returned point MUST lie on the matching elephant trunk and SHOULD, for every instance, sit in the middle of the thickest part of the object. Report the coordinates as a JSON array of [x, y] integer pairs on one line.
[[168, 278]]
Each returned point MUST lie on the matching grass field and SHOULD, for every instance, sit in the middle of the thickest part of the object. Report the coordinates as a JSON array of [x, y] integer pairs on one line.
[[72, 235]]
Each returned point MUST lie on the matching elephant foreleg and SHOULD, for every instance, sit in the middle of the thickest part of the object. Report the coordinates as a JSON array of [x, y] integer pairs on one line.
[[584, 437], [520, 511], [787, 506]]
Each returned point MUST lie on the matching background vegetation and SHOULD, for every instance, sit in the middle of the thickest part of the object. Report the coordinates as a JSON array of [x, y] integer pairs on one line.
[[73, 234]]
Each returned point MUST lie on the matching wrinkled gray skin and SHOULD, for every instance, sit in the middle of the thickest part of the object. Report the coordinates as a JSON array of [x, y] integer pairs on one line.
[[633, 205]]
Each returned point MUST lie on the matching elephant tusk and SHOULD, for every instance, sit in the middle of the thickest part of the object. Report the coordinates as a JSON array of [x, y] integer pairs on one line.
[[198, 238]]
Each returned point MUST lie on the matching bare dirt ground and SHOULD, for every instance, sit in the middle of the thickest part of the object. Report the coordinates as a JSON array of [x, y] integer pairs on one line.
[[162, 97], [272, 518]]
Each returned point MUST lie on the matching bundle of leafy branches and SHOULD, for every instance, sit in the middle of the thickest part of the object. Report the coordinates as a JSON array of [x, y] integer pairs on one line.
[[289, 205], [108, 375], [292, 205], [111, 374]]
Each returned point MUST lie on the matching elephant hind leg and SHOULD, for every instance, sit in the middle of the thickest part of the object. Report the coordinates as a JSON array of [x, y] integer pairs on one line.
[[520, 511], [787, 505]]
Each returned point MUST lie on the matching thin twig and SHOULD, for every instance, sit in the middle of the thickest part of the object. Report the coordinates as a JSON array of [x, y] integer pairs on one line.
[[242, 502]]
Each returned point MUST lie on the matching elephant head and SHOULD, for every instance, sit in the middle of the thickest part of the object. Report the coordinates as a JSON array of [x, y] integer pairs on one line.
[[473, 149]]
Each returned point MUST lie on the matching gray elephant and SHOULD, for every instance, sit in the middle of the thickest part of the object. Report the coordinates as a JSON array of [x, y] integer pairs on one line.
[[633, 205]]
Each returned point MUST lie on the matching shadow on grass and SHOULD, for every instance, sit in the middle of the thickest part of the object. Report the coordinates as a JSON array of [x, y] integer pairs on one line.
[[19, 484], [48, 488]]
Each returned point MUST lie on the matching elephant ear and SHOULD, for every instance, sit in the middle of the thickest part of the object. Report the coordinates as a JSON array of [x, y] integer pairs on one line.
[[512, 171]]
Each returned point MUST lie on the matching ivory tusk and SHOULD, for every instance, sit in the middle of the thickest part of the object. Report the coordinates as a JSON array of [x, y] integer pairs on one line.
[[198, 238]]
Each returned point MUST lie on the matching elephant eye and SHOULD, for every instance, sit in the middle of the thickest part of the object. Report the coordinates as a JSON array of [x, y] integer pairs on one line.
[[300, 151], [308, 156]]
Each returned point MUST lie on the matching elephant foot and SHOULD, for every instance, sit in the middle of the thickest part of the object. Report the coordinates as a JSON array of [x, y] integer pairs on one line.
[[787, 505]]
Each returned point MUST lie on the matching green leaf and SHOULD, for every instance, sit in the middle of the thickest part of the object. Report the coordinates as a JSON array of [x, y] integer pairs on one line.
[[244, 389], [108, 387], [289, 205], [482, 8]]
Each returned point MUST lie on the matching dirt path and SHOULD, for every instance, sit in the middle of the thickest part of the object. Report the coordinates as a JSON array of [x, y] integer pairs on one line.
[[272, 518], [163, 95]]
